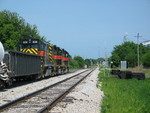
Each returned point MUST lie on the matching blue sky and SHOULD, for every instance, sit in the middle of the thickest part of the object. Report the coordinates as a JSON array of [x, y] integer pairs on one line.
[[89, 28]]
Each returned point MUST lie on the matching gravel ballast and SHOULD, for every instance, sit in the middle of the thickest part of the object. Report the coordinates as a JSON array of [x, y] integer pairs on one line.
[[8, 95], [85, 98]]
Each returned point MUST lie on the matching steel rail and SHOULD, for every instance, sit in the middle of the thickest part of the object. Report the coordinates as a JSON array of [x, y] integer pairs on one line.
[[51, 105], [14, 102]]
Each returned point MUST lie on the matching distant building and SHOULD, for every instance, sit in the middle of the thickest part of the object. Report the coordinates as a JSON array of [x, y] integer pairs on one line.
[[146, 43]]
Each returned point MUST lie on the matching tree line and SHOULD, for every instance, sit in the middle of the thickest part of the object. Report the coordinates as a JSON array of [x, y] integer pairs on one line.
[[13, 28], [127, 51], [79, 62]]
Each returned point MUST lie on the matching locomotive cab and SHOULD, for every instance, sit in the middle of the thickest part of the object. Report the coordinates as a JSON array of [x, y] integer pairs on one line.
[[57, 56], [32, 45], [38, 47], [65, 60]]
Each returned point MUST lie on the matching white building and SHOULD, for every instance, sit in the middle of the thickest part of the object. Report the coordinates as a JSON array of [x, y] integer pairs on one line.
[[146, 43]]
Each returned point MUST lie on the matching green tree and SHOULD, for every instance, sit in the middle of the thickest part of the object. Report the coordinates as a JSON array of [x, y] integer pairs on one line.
[[116, 59], [73, 64], [80, 61], [100, 59], [127, 51], [146, 59], [88, 62], [13, 28]]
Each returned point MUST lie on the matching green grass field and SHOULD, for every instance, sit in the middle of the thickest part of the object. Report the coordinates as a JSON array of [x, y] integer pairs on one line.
[[125, 96]]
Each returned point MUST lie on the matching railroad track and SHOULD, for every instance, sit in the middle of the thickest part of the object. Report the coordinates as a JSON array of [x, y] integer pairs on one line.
[[45, 99], [21, 83]]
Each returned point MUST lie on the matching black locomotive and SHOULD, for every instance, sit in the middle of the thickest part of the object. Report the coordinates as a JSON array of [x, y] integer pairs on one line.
[[35, 59]]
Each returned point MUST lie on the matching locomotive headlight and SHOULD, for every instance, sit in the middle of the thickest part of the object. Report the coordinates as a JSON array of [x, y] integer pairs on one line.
[[25, 42], [34, 41]]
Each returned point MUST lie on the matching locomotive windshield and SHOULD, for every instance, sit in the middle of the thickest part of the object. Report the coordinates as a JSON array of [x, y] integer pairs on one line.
[[29, 43], [28, 46]]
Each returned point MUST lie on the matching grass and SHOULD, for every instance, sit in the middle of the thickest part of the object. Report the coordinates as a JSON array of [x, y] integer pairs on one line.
[[125, 96], [142, 70], [147, 72]]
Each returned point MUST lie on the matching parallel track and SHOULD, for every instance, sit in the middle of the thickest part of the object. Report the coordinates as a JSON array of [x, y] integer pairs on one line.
[[45, 99]]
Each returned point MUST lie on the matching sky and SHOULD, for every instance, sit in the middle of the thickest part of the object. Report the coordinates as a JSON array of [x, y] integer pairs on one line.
[[88, 28]]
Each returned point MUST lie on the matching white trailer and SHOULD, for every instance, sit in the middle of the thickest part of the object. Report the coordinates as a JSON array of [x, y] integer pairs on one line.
[[4, 73], [1, 52]]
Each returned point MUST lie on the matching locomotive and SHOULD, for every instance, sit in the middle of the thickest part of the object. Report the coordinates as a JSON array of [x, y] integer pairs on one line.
[[34, 59]]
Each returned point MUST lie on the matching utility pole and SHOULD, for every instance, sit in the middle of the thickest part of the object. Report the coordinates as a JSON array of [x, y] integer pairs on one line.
[[106, 60], [138, 54], [125, 37]]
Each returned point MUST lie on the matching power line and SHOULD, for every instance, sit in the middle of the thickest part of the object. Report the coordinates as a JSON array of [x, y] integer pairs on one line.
[[144, 39]]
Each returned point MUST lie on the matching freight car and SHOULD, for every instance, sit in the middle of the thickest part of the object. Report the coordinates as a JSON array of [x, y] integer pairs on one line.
[[34, 59]]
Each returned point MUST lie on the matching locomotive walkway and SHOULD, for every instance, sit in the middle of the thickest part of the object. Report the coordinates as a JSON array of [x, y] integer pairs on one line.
[[43, 100]]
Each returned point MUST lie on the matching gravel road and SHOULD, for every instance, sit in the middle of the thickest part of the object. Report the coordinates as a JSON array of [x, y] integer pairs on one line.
[[85, 98]]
